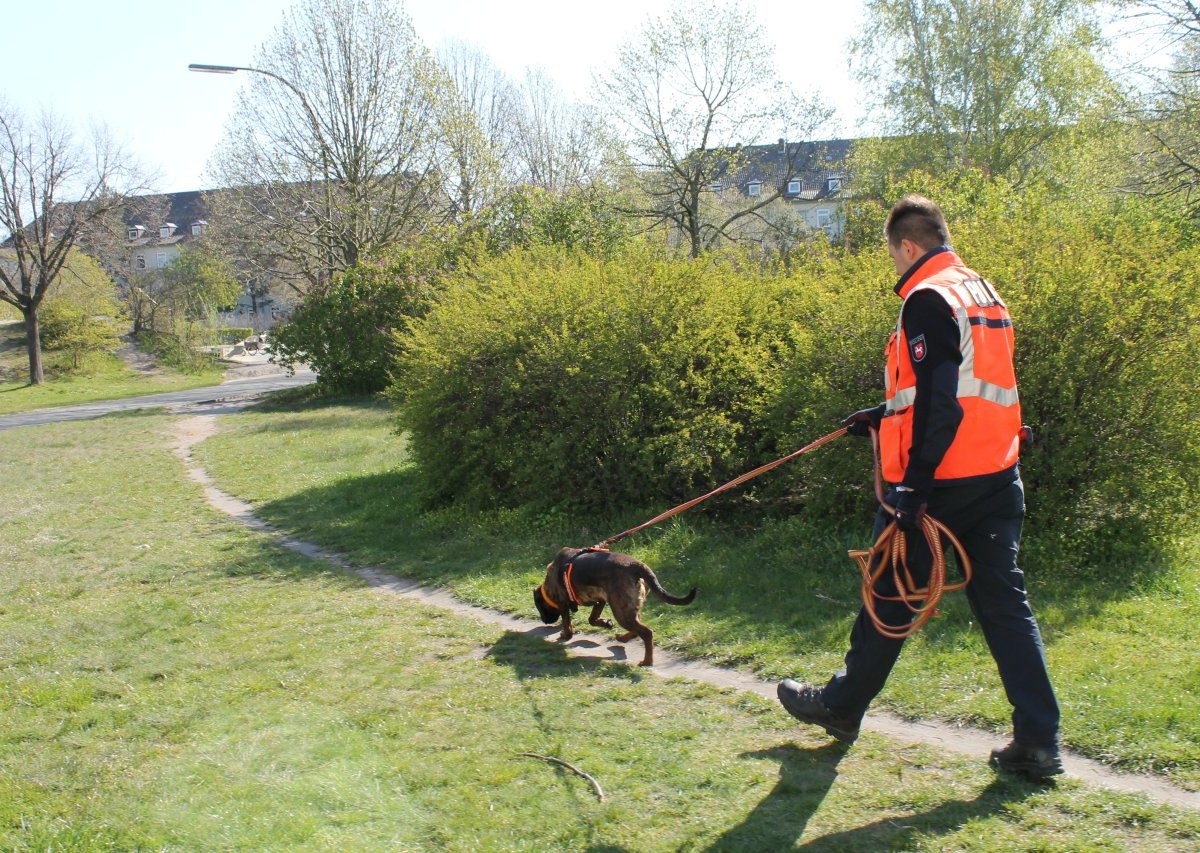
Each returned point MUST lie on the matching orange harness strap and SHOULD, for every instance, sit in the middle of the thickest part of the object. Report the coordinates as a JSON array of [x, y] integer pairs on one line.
[[567, 583]]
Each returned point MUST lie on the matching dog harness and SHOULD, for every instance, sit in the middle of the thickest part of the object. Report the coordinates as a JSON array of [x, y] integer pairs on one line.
[[565, 579]]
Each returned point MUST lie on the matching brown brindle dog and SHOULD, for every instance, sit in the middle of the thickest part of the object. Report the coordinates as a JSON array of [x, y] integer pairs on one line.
[[583, 576]]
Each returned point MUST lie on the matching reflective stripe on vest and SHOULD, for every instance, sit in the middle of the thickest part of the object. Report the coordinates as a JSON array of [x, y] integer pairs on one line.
[[987, 439]]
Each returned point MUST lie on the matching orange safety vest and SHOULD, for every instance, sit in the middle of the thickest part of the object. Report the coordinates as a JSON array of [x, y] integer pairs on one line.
[[988, 437]]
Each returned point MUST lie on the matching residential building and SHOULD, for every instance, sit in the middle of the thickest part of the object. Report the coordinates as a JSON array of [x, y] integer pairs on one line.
[[160, 227], [811, 178]]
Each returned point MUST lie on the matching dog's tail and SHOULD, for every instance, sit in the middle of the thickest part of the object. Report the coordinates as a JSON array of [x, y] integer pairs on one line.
[[651, 580]]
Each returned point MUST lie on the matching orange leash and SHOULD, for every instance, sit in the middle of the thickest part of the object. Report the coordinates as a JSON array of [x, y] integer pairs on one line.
[[737, 481], [890, 553]]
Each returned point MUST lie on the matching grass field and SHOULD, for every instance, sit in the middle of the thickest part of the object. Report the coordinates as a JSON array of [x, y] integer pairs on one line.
[[778, 600], [107, 379], [171, 680]]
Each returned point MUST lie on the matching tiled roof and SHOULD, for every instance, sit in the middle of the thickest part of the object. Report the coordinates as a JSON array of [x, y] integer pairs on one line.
[[812, 164]]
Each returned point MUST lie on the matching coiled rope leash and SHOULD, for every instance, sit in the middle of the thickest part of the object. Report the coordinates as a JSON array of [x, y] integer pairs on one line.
[[890, 552]]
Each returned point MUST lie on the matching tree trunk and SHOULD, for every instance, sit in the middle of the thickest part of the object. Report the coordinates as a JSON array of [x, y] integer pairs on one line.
[[33, 340]]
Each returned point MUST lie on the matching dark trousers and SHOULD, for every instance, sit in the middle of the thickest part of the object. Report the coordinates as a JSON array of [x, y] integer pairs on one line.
[[987, 518]]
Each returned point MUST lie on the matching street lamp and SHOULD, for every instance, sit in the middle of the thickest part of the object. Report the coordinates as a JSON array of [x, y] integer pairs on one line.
[[313, 122]]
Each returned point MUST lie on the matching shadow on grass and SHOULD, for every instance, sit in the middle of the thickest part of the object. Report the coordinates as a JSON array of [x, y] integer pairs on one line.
[[264, 560], [900, 833], [805, 777], [528, 655]]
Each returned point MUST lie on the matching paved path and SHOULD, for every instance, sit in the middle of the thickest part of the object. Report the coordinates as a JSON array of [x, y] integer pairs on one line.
[[957, 739], [250, 382]]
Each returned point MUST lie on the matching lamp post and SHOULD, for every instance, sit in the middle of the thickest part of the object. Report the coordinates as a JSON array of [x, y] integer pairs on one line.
[[313, 122]]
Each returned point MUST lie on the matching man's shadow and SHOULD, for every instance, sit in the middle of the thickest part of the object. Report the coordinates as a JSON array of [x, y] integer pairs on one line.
[[898, 833], [805, 777]]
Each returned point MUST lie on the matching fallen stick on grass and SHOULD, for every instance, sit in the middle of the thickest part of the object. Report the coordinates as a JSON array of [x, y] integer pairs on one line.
[[571, 767]]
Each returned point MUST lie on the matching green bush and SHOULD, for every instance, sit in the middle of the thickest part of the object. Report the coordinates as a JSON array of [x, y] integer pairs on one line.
[[546, 376], [348, 333], [1105, 298], [229, 334], [81, 316], [177, 349]]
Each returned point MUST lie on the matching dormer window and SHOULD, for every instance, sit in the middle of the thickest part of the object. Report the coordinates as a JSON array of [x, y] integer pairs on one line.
[[715, 187], [833, 185], [135, 232], [198, 228], [793, 187], [754, 188], [166, 230]]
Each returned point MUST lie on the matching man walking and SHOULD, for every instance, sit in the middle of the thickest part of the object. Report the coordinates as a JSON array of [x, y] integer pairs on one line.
[[949, 434]]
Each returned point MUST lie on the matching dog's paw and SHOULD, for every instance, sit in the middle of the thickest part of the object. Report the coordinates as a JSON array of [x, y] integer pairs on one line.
[[603, 623]]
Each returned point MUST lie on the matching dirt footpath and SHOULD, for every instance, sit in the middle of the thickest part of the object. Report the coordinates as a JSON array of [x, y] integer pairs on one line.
[[959, 739]]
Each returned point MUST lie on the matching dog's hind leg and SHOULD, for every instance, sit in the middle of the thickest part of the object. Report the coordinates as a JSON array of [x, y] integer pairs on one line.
[[639, 629], [595, 619], [648, 640]]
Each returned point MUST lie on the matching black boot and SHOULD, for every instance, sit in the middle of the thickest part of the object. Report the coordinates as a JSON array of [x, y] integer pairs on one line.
[[803, 701], [1035, 762]]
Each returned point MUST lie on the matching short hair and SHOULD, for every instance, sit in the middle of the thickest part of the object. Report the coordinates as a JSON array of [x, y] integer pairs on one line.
[[916, 218]]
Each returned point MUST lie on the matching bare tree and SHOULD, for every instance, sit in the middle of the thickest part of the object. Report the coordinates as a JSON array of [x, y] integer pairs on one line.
[[559, 145], [687, 95], [1168, 114], [332, 151], [56, 191], [477, 129]]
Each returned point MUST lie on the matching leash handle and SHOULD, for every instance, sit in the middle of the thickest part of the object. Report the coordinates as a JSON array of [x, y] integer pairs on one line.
[[737, 481]]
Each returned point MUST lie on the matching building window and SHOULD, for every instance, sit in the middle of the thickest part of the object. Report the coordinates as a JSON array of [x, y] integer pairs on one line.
[[197, 228], [835, 185], [715, 187], [133, 234], [793, 187], [162, 259], [139, 262], [754, 188]]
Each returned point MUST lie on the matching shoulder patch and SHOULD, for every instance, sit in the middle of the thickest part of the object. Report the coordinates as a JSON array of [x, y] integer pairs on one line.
[[917, 348]]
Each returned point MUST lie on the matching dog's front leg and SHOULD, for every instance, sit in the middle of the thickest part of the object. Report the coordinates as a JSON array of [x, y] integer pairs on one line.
[[567, 630], [595, 619]]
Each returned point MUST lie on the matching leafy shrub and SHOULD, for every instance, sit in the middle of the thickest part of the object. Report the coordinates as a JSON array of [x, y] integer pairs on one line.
[[176, 349], [347, 333], [1105, 297], [547, 376], [228, 334], [81, 316]]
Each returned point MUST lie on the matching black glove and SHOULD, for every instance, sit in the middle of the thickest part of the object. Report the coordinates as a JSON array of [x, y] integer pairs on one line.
[[864, 420], [910, 509]]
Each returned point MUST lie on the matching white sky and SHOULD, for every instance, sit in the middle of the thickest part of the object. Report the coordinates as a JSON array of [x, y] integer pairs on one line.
[[125, 64]]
